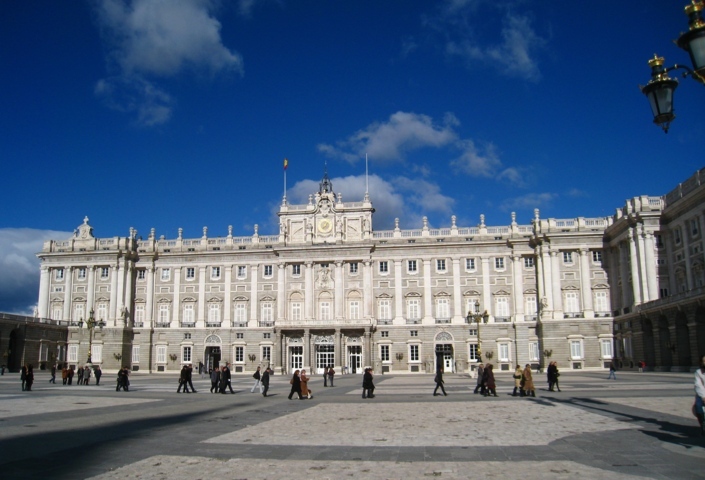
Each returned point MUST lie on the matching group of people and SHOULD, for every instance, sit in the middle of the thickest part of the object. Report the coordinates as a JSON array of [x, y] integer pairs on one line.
[[221, 379], [552, 375], [185, 379], [123, 379], [27, 377], [486, 384], [299, 385], [261, 381], [328, 374]]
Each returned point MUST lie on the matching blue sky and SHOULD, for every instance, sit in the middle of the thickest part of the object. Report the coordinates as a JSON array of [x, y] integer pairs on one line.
[[169, 114]]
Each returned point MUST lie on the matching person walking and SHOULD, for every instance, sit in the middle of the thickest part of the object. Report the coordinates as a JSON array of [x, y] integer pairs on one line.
[[368, 387], [23, 377], [86, 375], [517, 381], [613, 371], [439, 382], [215, 379], [491, 386], [331, 375], [227, 377], [305, 391], [53, 374], [550, 376], [64, 374], [265, 381], [528, 380], [485, 373], [182, 380], [80, 376], [98, 374], [325, 376], [480, 372], [258, 381], [189, 377], [295, 385], [71, 373], [556, 374], [29, 378], [700, 394]]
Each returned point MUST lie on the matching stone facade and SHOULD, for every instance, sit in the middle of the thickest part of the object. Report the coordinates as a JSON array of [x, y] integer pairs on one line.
[[330, 290]]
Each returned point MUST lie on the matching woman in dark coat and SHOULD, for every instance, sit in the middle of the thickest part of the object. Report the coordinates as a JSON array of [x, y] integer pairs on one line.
[[295, 386], [439, 383], [368, 387], [30, 378], [491, 386], [215, 378]]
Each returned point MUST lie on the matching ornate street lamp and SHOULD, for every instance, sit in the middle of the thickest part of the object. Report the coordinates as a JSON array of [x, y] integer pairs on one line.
[[660, 88], [91, 324], [478, 318]]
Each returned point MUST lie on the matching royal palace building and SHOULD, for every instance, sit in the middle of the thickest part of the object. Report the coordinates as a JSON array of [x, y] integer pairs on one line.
[[329, 290]]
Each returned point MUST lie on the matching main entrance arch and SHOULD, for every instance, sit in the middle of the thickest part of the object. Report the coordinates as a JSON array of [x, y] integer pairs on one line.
[[212, 352], [445, 357]]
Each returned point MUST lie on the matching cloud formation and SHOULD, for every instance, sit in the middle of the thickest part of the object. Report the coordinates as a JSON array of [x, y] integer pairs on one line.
[[148, 39], [19, 267], [528, 201]]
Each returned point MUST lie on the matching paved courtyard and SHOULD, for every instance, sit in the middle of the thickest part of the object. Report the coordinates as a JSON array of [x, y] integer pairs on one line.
[[639, 426]]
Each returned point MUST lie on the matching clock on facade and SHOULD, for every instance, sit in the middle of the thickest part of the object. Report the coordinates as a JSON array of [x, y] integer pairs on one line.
[[325, 225]]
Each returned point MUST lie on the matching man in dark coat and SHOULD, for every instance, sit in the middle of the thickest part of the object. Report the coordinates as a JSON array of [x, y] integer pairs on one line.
[[183, 383], [439, 383], [265, 381], [225, 380], [189, 376], [368, 387]]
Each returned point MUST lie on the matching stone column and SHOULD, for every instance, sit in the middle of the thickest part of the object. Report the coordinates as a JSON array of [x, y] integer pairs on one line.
[[486, 292], [338, 354], [398, 294], [254, 295], [113, 295], [121, 292], [556, 284], [624, 275], [308, 291], [307, 349], [367, 350], [90, 302], [547, 279], [202, 314], [586, 284], [277, 352], [518, 287], [634, 264], [427, 294], [176, 303], [685, 234], [368, 291], [43, 302], [651, 274], [68, 282], [641, 251], [339, 292], [458, 313], [129, 292], [149, 307], [228, 296]]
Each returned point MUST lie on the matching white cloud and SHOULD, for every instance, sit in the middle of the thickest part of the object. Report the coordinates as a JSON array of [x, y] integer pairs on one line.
[[389, 141], [476, 162], [528, 201], [157, 38], [515, 55], [19, 267]]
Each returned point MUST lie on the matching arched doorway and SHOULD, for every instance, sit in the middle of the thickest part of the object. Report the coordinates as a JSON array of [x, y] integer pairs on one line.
[[444, 352], [325, 352], [212, 352], [354, 354], [683, 340]]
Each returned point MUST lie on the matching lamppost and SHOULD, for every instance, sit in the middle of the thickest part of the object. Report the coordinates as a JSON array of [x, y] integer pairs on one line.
[[660, 88], [478, 318], [91, 324]]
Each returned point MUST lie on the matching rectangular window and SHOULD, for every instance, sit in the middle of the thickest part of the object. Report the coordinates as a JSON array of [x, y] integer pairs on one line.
[[414, 333], [530, 305], [82, 273], [441, 265], [411, 266], [73, 353], [141, 274], [241, 271], [499, 263], [597, 256], [601, 303], [57, 314], [502, 307], [472, 305], [296, 270], [473, 352], [266, 354], [572, 305], [190, 273], [442, 308], [59, 274], [384, 352], [354, 310], [606, 348], [240, 354], [568, 258], [470, 264], [385, 310], [166, 274], [161, 353], [105, 271], [213, 313], [239, 335], [135, 354], [353, 267], [215, 273], [413, 309], [97, 353], [472, 332], [267, 270], [240, 313], [384, 334], [267, 335], [186, 354], [163, 313], [78, 312], [296, 311], [383, 267], [267, 312], [325, 310], [413, 353], [503, 352], [533, 351], [576, 349], [677, 236], [102, 312], [189, 316], [528, 262]]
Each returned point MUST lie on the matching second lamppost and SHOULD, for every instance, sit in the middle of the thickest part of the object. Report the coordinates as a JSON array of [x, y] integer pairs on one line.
[[478, 318]]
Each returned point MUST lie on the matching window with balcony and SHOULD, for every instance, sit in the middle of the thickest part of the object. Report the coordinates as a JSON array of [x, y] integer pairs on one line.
[[296, 311], [324, 308], [384, 308], [354, 309], [214, 313], [443, 310], [571, 303], [501, 308], [189, 316], [413, 309]]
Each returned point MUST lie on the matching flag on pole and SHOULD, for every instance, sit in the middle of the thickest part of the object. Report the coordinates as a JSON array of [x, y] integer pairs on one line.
[[286, 163]]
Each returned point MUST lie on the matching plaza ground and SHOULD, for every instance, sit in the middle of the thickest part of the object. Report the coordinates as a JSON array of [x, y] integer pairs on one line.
[[639, 426]]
